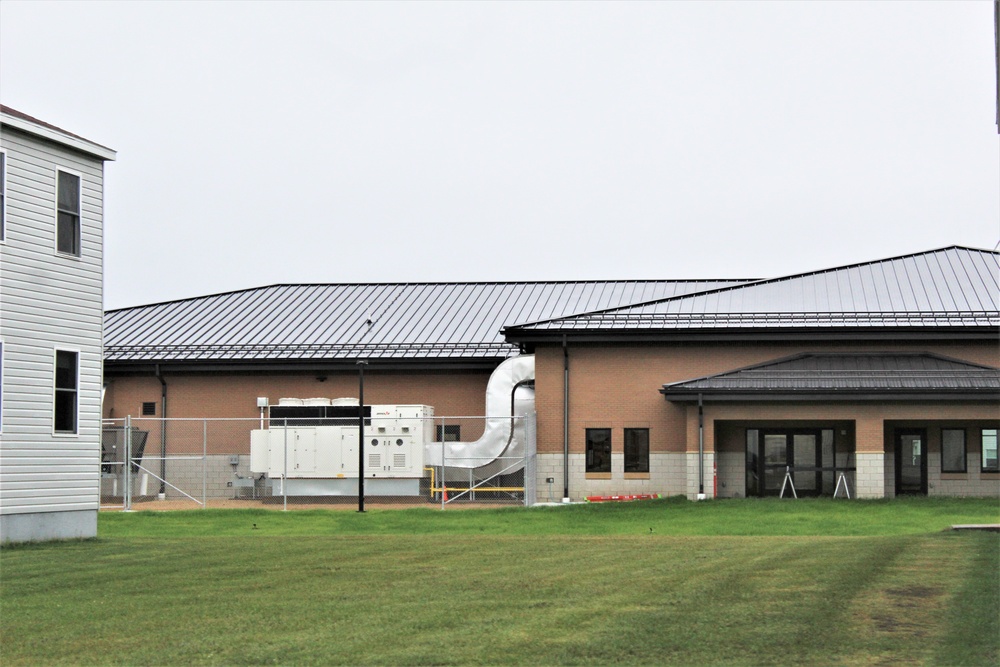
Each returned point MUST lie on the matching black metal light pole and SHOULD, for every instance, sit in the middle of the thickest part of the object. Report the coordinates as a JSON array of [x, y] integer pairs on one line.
[[361, 435]]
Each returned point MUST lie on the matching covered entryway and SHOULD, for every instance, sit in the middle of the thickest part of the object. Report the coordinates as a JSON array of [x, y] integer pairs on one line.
[[807, 454], [861, 417]]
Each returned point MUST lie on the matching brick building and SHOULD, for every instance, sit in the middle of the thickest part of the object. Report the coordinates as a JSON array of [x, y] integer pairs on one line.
[[881, 376]]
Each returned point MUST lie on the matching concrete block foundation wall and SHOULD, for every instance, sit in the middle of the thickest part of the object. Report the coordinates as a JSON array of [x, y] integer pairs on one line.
[[43, 526], [692, 475], [973, 482], [732, 474], [870, 478], [212, 478], [667, 477]]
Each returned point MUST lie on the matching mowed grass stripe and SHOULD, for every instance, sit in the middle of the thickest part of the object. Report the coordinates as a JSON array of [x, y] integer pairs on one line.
[[465, 599], [670, 516]]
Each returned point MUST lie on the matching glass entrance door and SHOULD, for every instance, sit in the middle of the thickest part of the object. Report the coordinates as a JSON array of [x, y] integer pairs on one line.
[[805, 454], [796, 451], [911, 462], [775, 462]]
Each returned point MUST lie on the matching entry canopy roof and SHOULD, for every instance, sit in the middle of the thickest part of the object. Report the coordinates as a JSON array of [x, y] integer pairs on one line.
[[954, 289], [846, 376]]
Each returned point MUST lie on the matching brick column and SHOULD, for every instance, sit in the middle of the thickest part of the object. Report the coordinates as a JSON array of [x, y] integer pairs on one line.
[[869, 480]]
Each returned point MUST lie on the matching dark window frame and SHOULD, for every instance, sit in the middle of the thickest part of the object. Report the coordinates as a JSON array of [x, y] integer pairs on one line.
[[982, 450], [452, 433], [597, 458], [965, 451], [66, 392], [635, 461], [757, 466], [69, 214]]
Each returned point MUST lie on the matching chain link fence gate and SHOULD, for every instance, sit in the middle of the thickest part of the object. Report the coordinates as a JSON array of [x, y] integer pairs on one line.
[[156, 463]]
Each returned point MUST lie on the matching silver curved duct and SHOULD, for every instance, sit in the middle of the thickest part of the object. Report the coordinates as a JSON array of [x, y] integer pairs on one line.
[[508, 401]]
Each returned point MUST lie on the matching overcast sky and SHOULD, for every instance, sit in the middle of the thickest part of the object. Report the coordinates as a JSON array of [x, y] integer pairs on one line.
[[318, 142]]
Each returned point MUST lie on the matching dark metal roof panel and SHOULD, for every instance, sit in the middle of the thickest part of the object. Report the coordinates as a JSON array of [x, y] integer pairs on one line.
[[851, 372], [950, 287], [407, 320]]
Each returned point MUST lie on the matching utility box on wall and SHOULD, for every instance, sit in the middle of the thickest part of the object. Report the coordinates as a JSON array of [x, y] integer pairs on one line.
[[314, 446]]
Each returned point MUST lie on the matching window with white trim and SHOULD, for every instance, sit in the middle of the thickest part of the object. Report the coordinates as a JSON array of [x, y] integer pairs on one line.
[[67, 382], [68, 214]]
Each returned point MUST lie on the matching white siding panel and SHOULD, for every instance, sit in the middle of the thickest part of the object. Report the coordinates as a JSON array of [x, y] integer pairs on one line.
[[49, 301], [68, 503]]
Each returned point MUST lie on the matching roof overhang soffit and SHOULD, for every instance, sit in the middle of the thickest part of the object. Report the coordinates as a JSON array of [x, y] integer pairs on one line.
[[555, 336], [827, 396]]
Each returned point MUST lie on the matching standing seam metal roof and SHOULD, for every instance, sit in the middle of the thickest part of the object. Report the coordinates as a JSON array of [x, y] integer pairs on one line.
[[850, 372], [408, 320], [953, 286]]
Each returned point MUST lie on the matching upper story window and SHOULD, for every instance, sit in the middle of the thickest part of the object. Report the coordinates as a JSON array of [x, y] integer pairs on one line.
[[68, 215], [66, 389]]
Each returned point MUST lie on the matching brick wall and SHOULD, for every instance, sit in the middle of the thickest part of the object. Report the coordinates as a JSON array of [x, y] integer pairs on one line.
[[619, 386], [234, 396]]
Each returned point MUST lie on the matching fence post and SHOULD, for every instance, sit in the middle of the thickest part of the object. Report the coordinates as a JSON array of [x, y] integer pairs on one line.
[[444, 480], [284, 473], [127, 479], [204, 464]]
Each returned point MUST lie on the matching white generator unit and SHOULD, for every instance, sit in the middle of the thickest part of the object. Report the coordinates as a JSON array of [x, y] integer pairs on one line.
[[310, 447]]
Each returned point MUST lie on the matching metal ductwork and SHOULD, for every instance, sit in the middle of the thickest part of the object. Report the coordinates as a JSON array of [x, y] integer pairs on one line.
[[510, 396]]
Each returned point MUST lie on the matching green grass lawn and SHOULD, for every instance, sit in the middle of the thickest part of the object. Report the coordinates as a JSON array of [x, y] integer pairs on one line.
[[744, 582]]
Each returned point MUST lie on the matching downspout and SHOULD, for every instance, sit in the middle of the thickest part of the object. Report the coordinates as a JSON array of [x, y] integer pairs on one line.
[[565, 420], [163, 433], [701, 450]]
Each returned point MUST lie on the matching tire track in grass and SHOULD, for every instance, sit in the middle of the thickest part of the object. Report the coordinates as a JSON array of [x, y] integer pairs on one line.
[[973, 636], [900, 617]]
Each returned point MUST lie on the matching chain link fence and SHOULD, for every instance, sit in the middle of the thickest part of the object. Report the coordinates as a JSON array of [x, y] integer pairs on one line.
[[408, 460]]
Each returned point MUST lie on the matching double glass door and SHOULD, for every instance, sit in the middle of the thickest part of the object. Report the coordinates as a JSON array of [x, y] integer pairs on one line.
[[802, 453]]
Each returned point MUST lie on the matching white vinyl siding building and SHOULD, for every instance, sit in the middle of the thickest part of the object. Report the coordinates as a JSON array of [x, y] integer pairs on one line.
[[51, 314]]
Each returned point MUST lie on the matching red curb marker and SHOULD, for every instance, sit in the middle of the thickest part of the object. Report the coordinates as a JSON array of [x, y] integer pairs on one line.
[[613, 499]]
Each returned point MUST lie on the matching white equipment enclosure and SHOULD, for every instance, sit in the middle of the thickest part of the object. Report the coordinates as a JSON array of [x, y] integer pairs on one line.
[[311, 447]]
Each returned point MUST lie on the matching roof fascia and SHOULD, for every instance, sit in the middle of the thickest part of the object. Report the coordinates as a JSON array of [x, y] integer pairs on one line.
[[76, 143], [691, 396], [804, 355], [126, 368], [555, 336]]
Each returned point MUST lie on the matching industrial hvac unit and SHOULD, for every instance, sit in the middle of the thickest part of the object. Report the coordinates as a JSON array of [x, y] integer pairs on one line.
[[311, 447]]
